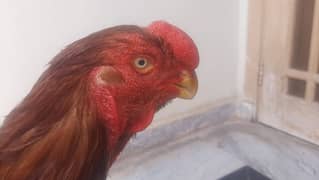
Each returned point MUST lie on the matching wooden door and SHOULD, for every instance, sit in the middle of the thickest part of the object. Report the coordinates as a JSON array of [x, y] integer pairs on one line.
[[288, 92]]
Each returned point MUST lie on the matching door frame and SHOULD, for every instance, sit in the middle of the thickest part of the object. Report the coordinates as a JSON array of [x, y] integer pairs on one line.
[[254, 76]]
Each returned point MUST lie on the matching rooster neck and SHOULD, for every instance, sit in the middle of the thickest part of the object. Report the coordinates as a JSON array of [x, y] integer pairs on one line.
[[55, 135], [73, 148]]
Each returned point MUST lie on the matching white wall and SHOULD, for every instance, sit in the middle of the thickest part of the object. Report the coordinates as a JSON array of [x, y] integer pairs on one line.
[[32, 32]]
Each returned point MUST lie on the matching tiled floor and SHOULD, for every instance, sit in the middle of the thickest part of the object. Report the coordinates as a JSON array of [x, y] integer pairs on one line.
[[216, 150]]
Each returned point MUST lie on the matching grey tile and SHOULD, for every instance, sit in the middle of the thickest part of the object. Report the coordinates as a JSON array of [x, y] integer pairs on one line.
[[209, 148]]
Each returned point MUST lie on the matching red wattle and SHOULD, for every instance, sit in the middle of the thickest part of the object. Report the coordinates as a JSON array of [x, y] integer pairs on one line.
[[143, 122]]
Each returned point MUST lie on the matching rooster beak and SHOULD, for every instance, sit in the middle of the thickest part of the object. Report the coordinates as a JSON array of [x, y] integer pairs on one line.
[[188, 85]]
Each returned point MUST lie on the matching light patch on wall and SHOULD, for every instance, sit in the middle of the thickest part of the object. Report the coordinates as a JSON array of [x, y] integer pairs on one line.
[[242, 45]]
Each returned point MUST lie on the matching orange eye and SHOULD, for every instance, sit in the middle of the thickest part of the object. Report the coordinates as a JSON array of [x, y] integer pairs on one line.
[[142, 65]]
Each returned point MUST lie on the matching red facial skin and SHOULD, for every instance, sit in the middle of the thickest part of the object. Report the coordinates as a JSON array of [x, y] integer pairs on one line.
[[128, 107]]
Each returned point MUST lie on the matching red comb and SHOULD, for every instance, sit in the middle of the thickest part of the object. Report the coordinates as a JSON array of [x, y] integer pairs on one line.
[[182, 45]]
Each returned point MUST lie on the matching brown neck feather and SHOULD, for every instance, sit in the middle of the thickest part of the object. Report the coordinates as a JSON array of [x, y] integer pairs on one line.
[[56, 131], [54, 134]]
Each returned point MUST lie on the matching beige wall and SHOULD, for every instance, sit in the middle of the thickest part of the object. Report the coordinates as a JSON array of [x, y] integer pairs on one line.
[[32, 32]]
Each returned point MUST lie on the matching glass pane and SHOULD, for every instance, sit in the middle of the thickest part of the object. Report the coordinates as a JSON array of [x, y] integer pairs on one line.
[[317, 93], [302, 34], [296, 87]]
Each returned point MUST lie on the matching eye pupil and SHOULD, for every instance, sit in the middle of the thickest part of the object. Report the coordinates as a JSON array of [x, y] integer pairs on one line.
[[141, 62]]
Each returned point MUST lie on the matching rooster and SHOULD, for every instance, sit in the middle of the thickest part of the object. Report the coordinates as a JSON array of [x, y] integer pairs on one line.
[[94, 96]]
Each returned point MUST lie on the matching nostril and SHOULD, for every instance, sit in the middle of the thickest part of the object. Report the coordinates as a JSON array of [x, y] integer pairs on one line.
[[184, 73]]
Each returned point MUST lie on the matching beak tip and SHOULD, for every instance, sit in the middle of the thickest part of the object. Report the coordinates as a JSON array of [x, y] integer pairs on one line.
[[188, 86], [184, 94]]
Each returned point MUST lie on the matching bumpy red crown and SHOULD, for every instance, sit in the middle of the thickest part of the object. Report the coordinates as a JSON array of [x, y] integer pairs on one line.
[[182, 45]]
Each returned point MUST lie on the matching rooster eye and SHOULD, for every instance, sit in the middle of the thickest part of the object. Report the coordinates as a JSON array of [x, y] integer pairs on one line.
[[143, 65], [140, 63]]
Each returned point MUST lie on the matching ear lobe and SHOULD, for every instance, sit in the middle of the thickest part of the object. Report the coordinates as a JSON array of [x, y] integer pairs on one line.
[[108, 75]]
